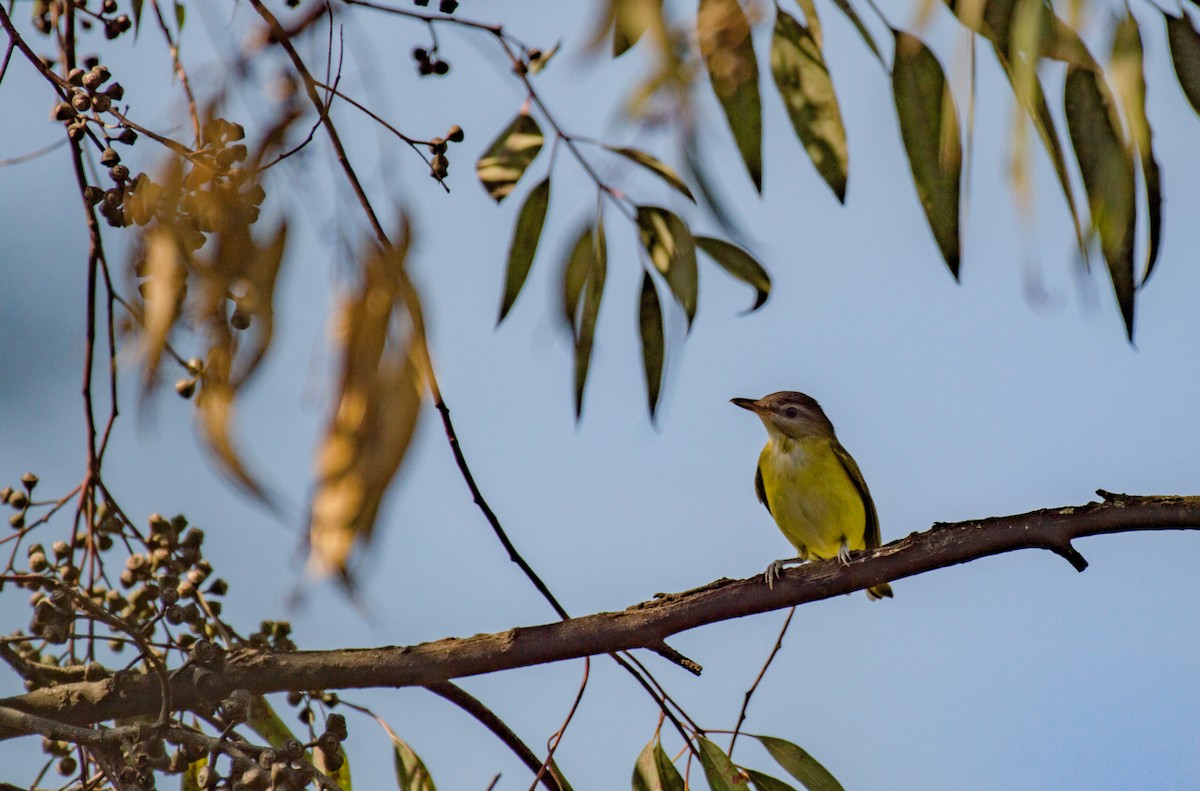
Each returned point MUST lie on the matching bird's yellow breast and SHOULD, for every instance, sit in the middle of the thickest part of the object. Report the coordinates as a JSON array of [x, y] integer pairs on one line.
[[812, 497]]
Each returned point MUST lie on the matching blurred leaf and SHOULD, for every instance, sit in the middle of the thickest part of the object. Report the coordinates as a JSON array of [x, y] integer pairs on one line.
[[720, 772], [593, 292], [929, 127], [180, 15], [1033, 100], [764, 782], [654, 770], [506, 159], [411, 774], [1055, 38], [1129, 79], [215, 405], [524, 243], [574, 276], [669, 244], [375, 410], [807, 91], [136, 7], [800, 765], [630, 19], [540, 62], [656, 167], [1107, 168], [849, 12], [650, 330], [1185, 54], [740, 264], [163, 265], [725, 43], [266, 723]]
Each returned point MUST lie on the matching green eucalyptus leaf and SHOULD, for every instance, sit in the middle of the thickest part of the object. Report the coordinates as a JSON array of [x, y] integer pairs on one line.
[[740, 264], [720, 772], [799, 764], [526, 234], [506, 159], [593, 292], [654, 770], [802, 79], [764, 782], [1129, 79], [1107, 168], [725, 43], [669, 244], [650, 330], [1185, 54], [263, 720], [574, 275], [656, 167], [929, 127], [411, 774], [1032, 98]]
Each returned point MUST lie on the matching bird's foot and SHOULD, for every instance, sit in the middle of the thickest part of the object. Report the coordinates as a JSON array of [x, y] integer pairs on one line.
[[775, 570], [843, 554]]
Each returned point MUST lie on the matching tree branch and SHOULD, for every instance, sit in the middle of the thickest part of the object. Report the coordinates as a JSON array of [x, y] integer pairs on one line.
[[640, 626]]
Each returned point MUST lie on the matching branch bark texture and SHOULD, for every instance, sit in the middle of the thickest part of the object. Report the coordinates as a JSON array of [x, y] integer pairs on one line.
[[644, 625]]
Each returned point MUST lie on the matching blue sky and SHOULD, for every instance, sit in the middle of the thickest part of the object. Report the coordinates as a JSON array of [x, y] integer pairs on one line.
[[958, 401]]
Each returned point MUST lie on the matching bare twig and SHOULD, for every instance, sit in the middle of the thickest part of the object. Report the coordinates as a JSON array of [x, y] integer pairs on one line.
[[758, 679]]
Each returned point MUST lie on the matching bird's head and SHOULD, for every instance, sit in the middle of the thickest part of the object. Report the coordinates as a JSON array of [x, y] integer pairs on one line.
[[794, 415]]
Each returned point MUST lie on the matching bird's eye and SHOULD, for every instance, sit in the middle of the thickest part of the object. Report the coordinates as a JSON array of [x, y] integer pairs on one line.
[[791, 412]]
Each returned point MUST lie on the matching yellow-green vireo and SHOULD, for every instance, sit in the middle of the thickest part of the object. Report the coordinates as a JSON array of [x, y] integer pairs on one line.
[[811, 485]]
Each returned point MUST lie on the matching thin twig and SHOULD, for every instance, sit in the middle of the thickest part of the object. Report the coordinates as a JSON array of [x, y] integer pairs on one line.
[[758, 679]]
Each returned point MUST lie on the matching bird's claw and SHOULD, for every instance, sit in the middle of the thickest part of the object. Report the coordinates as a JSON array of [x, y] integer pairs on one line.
[[843, 554], [773, 573]]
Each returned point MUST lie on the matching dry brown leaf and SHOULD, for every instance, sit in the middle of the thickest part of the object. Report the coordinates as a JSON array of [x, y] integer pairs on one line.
[[378, 401]]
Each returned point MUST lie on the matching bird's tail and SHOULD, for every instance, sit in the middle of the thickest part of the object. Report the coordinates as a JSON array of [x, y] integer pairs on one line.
[[883, 591]]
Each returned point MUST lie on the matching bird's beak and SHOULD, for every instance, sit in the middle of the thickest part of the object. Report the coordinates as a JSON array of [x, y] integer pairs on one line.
[[747, 403]]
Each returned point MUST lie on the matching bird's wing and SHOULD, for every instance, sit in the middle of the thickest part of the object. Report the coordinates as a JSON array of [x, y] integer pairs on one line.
[[761, 490], [871, 534]]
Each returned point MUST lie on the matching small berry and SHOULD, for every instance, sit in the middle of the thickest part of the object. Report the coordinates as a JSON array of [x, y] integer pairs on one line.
[[455, 135], [185, 387], [63, 111], [109, 157], [441, 67], [447, 6], [81, 102]]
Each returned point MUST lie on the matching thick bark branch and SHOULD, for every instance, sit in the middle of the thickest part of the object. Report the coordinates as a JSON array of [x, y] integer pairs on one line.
[[643, 625]]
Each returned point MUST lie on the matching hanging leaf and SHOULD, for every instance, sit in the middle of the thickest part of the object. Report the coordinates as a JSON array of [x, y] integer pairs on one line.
[[574, 275], [505, 161], [1033, 101], [656, 167], [725, 43], [764, 782], [411, 774], [669, 244], [1107, 168], [929, 127], [593, 292], [1128, 77], [374, 413], [996, 19], [654, 770], [630, 19], [524, 245], [800, 765], [1185, 54], [650, 330], [802, 79], [740, 264], [720, 772], [849, 12], [180, 18]]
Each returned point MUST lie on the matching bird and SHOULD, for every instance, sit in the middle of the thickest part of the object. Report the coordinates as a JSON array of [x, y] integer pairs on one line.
[[811, 485]]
